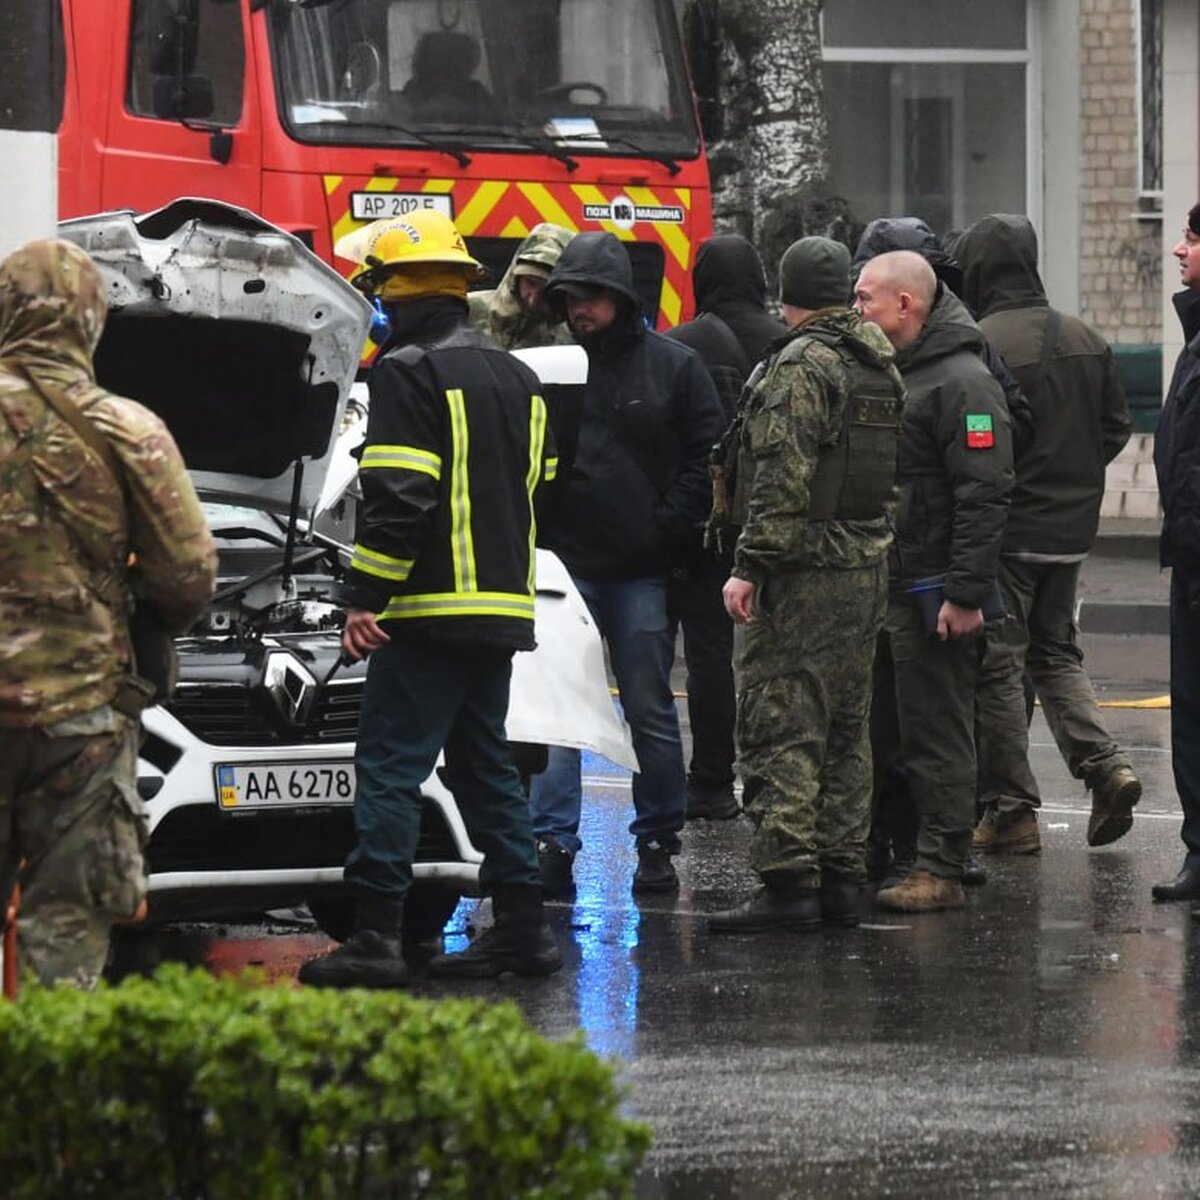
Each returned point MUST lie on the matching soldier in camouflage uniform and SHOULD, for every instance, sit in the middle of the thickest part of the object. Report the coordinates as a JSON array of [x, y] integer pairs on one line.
[[515, 314], [69, 809], [817, 460]]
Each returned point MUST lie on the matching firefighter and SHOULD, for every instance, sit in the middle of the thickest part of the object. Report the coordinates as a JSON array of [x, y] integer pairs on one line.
[[440, 594]]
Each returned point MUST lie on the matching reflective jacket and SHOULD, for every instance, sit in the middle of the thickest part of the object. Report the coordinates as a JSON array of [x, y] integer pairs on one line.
[[457, 447]]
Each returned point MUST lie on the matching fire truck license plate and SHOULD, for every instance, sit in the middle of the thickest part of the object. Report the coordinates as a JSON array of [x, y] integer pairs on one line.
[[284, 785], [371, 206]]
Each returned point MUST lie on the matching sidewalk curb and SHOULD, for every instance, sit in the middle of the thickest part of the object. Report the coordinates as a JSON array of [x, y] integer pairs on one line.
[[1125, 617]]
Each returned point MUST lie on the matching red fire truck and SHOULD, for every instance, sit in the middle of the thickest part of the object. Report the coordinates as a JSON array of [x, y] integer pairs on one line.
[[324, 114]]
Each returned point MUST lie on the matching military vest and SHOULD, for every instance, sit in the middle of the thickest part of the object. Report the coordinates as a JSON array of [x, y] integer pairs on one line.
[[856, 476]]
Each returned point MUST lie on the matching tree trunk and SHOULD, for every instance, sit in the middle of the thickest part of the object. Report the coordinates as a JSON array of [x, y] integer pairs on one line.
[[757, 66]]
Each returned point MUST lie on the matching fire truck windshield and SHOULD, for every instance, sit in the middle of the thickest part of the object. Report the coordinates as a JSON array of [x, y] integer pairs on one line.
[[581, 77]]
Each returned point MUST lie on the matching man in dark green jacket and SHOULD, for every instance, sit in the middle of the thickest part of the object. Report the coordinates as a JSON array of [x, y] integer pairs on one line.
[[955, 472], [1067, 371]]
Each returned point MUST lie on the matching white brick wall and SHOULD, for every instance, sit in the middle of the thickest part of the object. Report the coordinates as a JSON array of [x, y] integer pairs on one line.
[[1131, 489]]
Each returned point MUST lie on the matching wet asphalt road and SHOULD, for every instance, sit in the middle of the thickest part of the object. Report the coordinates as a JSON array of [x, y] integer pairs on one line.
[[1044, 1041]]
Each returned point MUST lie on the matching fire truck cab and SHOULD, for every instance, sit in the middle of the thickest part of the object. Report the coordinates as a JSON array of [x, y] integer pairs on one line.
[[324, 114]]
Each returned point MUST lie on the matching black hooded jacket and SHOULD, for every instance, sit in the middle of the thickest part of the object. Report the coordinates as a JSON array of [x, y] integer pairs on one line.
[[630, 502], [911, 233], [1080, 410], [1177, 452], [729, 282]]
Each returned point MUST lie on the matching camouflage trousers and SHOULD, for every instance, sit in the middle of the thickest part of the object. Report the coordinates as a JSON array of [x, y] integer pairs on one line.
[[72, 831], [804, 696]]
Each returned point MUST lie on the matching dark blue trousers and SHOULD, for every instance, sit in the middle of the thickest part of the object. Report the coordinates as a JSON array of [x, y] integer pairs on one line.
[[421, 697]]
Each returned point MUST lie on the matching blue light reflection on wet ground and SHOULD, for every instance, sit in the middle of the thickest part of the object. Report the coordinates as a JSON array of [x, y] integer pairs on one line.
[[605, 926]]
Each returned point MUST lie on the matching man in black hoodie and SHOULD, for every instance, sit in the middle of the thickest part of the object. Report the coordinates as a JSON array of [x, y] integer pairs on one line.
[[1068, 372], [730, 283], [1177, 462], [625, 510]]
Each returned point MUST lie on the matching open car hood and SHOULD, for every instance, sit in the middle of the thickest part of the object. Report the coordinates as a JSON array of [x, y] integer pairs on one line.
[[237, 335]]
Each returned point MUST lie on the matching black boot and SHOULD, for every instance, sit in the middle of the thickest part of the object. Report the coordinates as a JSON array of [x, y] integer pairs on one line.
[[370, 957], [797, 909], [841, 901], [654, 873], [519, 942]]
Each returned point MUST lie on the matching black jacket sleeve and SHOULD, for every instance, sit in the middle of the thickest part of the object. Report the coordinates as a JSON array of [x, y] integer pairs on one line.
[[399, 473], [700, 421], [1020, 411]]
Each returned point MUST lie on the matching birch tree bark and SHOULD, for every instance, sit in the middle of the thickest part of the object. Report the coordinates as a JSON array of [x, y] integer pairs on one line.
[[757, 68]]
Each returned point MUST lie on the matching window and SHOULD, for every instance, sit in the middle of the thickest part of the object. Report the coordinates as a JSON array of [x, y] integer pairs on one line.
[[928, 107], [186, 61], [1150, 89]]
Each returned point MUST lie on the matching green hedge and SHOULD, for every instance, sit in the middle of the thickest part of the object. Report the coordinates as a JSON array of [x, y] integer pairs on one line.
[[188, 1087]]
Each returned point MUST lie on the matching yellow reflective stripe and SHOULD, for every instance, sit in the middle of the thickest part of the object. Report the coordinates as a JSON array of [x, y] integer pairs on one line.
[[551, 469], [462, 547], [409, 458], [454, 604], [371, 562], [537, 442]]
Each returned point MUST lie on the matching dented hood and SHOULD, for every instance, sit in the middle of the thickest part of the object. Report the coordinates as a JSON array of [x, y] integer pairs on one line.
[[237, 335]]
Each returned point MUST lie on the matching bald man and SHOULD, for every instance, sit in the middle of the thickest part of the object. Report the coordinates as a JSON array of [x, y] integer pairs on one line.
[[955, 473]]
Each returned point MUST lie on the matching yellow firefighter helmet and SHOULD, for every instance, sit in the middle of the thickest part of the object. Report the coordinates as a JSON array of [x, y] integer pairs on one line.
[[424, 238]]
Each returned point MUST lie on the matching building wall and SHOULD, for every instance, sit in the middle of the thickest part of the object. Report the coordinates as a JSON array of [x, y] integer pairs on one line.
[[1120, 257]]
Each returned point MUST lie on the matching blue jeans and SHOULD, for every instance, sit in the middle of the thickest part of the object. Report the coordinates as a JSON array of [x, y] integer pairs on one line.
[[631, 615]]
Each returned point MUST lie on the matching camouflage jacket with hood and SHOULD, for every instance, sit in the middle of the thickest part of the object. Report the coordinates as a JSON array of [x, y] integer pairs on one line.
[[64, 638], [498, 312]]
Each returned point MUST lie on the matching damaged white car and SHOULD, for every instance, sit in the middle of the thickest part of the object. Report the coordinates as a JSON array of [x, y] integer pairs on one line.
[[247, 346]]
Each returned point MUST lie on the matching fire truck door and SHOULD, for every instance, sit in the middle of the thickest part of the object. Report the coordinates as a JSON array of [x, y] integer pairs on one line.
[[184, 119]]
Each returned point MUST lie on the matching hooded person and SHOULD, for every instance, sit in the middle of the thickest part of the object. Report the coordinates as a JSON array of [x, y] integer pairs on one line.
[[885, 234], [440, 594], [515, 312], [625, 515], [1069, 374], [89, 482], [729, 282]]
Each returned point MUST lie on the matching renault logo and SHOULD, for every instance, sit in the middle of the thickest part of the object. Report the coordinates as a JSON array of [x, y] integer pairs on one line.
[[291, 687]]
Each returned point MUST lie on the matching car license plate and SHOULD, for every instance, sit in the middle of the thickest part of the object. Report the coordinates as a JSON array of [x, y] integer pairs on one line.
[[284, 785], [371, 206]]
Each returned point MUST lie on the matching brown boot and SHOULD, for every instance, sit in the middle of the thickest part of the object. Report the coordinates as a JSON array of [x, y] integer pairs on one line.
[[922, 891], [1112, 806], [1013, 832]]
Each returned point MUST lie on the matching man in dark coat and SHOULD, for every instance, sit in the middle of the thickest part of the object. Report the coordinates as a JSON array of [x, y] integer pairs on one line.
[[955, 473], [1070, 377], [625, 512], [1176, 460], [730, 283], [707, 629]]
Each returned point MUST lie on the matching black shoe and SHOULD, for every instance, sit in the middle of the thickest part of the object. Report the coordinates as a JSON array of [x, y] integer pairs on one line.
[[520, 942], [367, 959], [500, 951], [841, 901], [719, 804], [654, 870], [554, 868], [795, 909], [974, 873], [1185, 886]]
